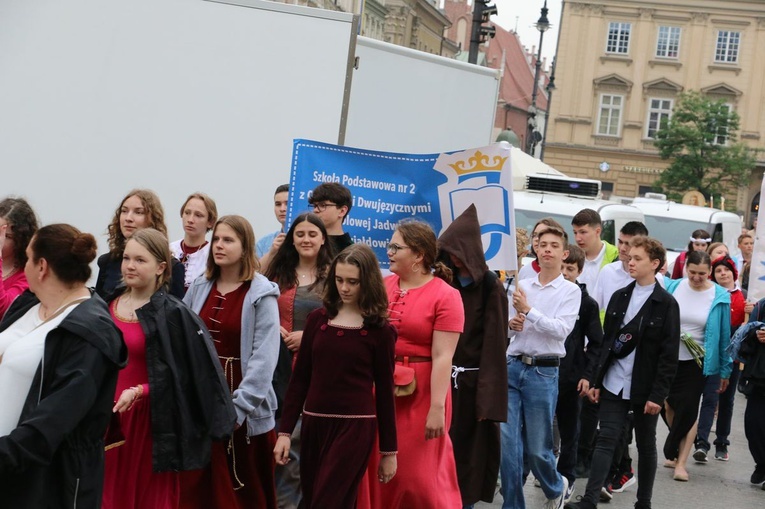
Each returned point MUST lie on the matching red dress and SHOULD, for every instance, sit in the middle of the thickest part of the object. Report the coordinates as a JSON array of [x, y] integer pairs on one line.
[[129, 481], [241, 470], [427, 474]]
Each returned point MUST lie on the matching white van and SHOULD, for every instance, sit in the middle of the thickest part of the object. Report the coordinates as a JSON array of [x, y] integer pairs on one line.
[[672, 223]]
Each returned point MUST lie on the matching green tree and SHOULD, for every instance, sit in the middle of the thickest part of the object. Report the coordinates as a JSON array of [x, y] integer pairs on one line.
[[700, 139]]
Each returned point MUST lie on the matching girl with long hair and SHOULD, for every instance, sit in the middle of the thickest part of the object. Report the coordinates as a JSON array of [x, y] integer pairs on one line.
[[347, 348], [172, 397], [238, 306], [300, 268]]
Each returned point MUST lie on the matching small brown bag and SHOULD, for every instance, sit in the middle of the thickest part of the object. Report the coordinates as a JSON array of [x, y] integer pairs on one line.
[[404, 381]]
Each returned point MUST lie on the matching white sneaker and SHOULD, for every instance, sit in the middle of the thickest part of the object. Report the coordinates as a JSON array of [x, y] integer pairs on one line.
[[557, 502]]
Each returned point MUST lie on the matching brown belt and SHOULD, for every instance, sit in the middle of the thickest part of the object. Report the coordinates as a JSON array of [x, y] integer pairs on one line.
[[407, 359]]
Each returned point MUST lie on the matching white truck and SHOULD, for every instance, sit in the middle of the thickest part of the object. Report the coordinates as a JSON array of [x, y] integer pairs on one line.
[[541, 191], [102, 96]]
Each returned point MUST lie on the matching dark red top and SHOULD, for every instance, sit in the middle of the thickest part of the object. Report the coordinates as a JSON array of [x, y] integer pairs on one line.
[[335, 370]]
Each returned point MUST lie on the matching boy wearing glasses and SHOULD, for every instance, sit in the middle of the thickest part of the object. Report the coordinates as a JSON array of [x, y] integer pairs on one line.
[[638, 361], [332, 202]]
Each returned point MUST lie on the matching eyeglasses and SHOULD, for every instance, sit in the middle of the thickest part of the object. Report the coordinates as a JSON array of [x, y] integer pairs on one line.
[[393, 248], [322, 206]]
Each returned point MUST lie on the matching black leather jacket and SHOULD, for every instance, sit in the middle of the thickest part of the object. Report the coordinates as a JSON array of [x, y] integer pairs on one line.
[[658, 343], [190, 403], [55, 456]]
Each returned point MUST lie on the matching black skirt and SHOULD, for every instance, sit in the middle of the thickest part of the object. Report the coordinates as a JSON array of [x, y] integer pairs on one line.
[[684, 399]]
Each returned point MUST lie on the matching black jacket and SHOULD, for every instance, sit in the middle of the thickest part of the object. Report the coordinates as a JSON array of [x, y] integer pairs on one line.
[[578, 363], [55, 457], [109, 282], [190, 402], [657, 348]]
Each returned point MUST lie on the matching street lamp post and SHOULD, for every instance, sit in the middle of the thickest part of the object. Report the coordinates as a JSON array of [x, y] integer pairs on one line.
[[550, 88], [543, 24]]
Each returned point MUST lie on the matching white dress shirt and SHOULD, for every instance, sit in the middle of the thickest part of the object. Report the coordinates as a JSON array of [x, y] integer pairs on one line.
[[553, 313], [612, 277], [589, 275]]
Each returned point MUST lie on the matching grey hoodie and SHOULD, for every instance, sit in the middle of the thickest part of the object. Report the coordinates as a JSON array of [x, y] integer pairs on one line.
[[254, 399]]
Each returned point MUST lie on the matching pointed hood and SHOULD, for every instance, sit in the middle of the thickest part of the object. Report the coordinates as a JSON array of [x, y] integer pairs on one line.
[[462, 239]]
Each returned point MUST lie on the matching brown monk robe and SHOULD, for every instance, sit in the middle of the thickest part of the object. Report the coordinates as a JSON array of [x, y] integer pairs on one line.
[[479, 368]]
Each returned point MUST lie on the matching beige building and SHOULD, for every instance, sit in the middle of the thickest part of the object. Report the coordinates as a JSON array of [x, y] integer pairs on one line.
[[621, 65], [416, 24]]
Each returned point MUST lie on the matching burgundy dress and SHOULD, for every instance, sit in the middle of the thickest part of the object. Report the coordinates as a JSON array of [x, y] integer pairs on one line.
[[332, 384], [129, 482], [241, 470]]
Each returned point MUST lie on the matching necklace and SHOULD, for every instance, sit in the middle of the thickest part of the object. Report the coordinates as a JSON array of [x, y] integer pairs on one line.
[[130, 306], [11, 273]]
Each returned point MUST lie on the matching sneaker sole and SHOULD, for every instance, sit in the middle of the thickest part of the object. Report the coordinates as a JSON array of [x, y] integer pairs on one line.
[[630, 482], [726, 458], [605, 496], [700, 457]]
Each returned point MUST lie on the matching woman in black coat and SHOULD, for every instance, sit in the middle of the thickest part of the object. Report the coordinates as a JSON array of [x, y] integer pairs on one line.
[[54, 456]]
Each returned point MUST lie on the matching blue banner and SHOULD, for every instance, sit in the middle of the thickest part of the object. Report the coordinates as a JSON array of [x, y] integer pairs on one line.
[[388, 187]]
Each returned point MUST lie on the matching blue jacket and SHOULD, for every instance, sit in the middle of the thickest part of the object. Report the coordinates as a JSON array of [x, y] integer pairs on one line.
[[717, 332]]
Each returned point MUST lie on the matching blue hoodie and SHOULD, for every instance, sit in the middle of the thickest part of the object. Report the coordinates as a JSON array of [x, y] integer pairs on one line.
[[716, 333]]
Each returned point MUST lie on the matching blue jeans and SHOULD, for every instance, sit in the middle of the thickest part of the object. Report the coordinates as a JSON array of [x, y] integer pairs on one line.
[[724, 414], [532, 396]]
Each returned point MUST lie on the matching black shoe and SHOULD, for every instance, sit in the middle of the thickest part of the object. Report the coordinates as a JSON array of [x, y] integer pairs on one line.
[[582, 504], [642, 505], [758, 476]]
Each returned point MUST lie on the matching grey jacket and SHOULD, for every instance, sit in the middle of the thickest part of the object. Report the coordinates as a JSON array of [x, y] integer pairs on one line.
[[254, 399]]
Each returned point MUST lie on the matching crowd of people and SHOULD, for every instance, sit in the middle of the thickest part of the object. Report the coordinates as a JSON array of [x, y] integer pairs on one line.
[[290, 373]]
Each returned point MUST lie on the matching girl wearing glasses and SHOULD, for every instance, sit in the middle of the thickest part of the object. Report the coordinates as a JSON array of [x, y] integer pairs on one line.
[[18, 224], [300, 268], [428, 316]]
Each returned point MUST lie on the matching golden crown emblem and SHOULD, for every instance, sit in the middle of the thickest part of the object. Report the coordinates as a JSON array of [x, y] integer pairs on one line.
[[480, 162]]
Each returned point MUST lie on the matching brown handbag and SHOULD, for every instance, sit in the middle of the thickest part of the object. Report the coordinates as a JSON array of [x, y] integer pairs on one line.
[[404, 381]]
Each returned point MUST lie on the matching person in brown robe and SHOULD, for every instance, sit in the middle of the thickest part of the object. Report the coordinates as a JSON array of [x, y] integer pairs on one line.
[[479, 368]]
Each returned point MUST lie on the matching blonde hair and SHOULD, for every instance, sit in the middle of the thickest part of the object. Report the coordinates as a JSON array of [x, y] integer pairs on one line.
[[157, 246]]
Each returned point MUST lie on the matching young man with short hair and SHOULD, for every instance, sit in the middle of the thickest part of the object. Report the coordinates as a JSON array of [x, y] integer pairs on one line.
[[544, 312], [638, 361], [582, 354], [269, 244], [746, 246], [332, 202], [598, 253]]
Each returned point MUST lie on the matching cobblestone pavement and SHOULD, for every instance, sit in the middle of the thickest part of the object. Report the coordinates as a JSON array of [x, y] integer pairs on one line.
[[714, 485]]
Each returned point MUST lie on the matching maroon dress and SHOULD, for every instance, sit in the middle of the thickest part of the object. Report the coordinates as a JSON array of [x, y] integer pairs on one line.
[[332, 384], [241, 470], [129, 482]]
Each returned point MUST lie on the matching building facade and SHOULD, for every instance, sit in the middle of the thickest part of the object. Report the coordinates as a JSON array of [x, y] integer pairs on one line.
[[506, 52], [620, 67]]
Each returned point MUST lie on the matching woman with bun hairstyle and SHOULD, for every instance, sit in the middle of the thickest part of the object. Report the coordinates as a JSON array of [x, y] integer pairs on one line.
[[198, 214], [61, 354], [141, 208], [172, 397], [428, 314], [238, 306], [700, 241], [347, 349], [18, 223]]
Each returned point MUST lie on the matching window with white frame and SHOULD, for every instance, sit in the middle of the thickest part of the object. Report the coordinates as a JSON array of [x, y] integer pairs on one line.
[[721, 131], [728, 43], [618, 38], [668, 44], [610, 114], [659, 111]]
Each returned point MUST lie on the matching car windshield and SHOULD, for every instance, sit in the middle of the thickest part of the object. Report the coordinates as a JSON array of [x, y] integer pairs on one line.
[[673, 233]]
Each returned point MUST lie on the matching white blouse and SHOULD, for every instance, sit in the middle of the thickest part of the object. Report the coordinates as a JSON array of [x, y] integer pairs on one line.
[[21, 350]]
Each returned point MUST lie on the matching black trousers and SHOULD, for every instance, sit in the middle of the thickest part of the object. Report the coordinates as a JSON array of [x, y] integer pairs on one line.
[[754, 427], [588, 428], [613, 414], [567, 411]]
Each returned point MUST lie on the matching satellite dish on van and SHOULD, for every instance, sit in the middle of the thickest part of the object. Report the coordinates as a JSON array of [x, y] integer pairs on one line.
[[694, 198]]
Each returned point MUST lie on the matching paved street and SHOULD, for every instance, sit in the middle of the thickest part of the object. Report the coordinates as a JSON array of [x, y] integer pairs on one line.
[[717, 484]]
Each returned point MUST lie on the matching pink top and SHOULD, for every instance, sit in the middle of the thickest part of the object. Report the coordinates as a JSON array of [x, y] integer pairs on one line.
[[416, 313], [11, 288]]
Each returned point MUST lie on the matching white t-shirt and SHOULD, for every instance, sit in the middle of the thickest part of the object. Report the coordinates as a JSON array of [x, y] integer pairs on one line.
[[694, 313], [22, 346], [619, 376], [589, 275]]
